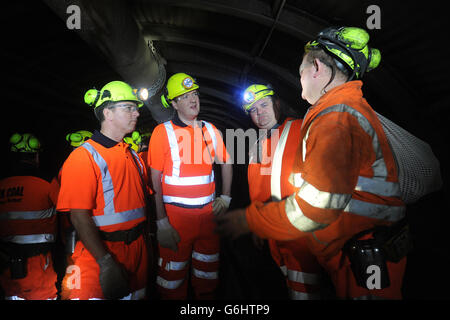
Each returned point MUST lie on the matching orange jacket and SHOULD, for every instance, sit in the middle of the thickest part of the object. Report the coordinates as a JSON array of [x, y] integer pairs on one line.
[[259, 173], [27, 214], [346, 174], [106, 181], [185, 157]]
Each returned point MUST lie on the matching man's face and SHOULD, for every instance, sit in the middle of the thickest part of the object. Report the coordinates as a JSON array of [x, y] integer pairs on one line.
[[262, 113], [306, 79], [124, 116], [187, 105]]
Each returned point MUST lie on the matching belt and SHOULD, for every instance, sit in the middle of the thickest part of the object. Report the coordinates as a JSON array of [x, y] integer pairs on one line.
[[25, 250], [127, 236]]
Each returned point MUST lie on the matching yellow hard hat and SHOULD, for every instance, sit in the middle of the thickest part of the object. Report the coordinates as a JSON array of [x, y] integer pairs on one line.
[[113, 91], [255, 92], [177, 85], [77, 138], [350, 46]]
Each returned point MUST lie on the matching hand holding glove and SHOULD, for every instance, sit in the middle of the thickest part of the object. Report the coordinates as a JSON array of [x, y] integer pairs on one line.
[[221, 204], [167, 236], [113, 278]]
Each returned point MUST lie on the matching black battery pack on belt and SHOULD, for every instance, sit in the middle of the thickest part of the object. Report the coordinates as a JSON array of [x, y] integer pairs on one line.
[[397, 241], [18, 267], [368, 264], [368, 257], [16, 256]]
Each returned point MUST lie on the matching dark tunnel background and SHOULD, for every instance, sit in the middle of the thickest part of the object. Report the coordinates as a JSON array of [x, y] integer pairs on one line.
[[47, 68]]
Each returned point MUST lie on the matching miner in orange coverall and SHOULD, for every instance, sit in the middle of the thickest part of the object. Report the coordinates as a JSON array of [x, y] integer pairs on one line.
[[270, 165], [182, 153], [348, 204], [28, 226], [104, 187]]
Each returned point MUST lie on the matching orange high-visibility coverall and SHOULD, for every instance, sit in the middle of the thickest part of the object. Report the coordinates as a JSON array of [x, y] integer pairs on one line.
[[298, 264], [27, 217], [102, 176], [185, 158], [348, 183]]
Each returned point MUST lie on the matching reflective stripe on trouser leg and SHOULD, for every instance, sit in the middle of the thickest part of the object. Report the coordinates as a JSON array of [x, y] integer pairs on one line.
[[300, 268], [205, 274], [301, 285], [172, 274]]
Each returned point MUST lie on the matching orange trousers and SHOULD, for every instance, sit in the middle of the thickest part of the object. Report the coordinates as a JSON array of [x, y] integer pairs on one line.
[[39, 284], [300, 267], [82, 278], [198, 248], [344, 281], [303, 273]]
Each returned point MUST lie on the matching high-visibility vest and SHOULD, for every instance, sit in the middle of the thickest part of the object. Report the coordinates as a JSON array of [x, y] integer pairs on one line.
[[339, 194], [188, 190], [268, 178], [109, 216], [375, 198], [27, 214]]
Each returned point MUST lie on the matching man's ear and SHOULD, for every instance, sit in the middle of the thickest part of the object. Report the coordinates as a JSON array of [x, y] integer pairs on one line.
[[319, 67], [174, 105], [107, 113], [317, 64]]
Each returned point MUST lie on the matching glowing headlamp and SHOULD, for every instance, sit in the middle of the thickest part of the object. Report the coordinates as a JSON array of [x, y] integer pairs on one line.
[[141, 93], [248, 97], [187, 83]]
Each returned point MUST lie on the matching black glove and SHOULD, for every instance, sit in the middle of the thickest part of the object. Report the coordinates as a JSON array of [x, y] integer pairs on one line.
[[113, 278]]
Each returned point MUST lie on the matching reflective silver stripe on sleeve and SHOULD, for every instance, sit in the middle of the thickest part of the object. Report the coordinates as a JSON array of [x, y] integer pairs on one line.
[[205, 257], [322, 199], [379, 166], [298, 219], [375, 211], [28, 215], [30, 238], [378, 186]]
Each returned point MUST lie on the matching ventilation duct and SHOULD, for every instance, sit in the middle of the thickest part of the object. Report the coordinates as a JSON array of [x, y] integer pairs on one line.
[[109, 27]]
